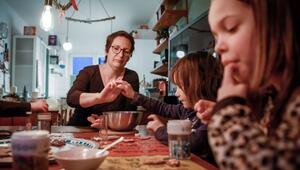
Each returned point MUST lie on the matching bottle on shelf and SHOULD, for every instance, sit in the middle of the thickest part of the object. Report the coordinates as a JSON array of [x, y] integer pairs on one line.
[[25, 94]]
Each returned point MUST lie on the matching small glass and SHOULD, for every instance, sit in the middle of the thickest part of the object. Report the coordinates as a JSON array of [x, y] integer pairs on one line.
[[44, 121], [142, 130], [28, 121], [103, 129]]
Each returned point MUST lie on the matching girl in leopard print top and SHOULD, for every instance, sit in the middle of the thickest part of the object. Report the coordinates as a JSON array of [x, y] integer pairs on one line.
[[259, 46]]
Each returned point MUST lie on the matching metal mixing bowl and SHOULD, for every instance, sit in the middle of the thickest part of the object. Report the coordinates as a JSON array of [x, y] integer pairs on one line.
[[123, 120]]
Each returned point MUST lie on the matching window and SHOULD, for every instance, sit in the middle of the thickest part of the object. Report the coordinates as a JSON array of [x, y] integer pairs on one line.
[[80, 62]]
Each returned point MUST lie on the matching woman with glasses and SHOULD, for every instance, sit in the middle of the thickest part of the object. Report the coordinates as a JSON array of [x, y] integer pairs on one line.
[[94, 91]]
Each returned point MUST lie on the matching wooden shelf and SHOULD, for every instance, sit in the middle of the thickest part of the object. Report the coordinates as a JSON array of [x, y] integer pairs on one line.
[[170, 3], [168, 18], [161, 70], [163, 45]]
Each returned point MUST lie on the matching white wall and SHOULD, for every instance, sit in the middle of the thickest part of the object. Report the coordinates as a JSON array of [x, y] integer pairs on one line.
[[14, 21], [143, 59], [15, 27]]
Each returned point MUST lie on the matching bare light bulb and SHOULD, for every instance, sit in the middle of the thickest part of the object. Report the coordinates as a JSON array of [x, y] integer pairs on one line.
[[47, 20], [67, 46]]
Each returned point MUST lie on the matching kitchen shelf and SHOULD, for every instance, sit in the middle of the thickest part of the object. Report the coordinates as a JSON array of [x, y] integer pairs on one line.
[[163, 45], [161, 70], [170, 3], [168, 18]]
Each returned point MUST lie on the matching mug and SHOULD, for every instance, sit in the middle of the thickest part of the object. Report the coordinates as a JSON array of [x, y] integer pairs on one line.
[[30, 150]]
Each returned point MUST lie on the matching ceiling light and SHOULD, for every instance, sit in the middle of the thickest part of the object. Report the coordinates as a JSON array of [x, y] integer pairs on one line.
[[182, 49], [67, 45], [47, 20], [180, 54]]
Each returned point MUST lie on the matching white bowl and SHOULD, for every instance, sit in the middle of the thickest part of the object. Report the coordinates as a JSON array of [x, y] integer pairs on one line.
[[79, 158]]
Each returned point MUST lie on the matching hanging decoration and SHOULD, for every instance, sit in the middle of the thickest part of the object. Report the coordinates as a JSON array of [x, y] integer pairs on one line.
[[89, 20], [66, 6]]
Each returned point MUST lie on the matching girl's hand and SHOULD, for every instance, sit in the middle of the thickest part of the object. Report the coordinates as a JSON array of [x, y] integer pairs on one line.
[[96, 121], [126, 89], [154, 123], [39, 106], [93, 118], [204, 110], [109, 93], [230, 86]]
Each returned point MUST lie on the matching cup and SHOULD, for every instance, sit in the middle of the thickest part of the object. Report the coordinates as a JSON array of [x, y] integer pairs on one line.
[[13, 89], [30, 150], [44, 121], [142, 130], [34, 95], [179, 133]]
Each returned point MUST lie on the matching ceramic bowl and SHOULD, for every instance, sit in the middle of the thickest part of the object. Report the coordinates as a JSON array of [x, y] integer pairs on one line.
[[80, 158], [123, 120]]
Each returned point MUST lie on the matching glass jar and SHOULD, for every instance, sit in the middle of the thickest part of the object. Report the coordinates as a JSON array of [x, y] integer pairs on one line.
[[44, 121], [179, 139]]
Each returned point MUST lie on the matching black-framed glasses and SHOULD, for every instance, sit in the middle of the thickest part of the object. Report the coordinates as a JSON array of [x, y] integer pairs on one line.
[[117, 50]]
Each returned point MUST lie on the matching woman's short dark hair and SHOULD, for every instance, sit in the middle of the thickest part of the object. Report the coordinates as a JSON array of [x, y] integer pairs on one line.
[[114, 35]]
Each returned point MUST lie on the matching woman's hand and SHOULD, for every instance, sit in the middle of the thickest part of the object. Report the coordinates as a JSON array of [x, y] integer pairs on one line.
[[154, 123], [230, 86], [126, 88], [204, 110], [96, 121], [109, 93], [39, 106]]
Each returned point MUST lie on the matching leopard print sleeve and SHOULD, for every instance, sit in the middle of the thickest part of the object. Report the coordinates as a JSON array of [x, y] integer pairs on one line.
[[239, 143]]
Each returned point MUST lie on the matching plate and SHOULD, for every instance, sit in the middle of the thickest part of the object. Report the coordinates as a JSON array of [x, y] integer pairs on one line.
[[77, 142]]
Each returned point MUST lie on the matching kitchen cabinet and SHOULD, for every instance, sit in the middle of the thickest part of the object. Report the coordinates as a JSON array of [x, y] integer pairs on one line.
[[168, 18], [196, 36], [167, 15], [161, 69], [29, 64], [163, 45]]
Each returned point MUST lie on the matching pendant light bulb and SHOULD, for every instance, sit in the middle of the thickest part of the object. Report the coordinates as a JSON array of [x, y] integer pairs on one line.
[[67, 45], [47, 19]]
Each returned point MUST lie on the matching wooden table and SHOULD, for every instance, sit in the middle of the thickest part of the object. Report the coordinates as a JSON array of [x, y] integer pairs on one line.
[[130, 155]]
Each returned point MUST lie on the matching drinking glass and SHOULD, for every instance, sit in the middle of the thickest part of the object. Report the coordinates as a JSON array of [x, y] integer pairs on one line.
[[179, 133], [103, 129]]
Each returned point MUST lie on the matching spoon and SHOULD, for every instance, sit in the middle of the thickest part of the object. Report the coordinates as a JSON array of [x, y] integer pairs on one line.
[[111, 145]]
